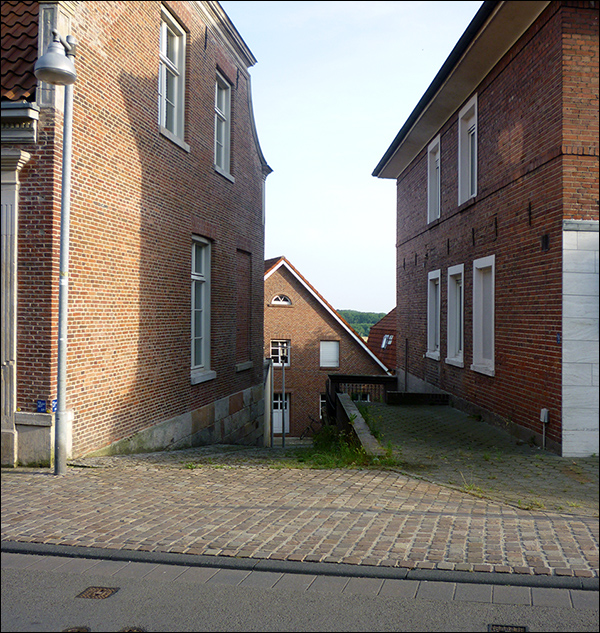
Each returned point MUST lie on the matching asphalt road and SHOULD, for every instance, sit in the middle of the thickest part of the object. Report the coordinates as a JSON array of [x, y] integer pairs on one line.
[[44, 593]]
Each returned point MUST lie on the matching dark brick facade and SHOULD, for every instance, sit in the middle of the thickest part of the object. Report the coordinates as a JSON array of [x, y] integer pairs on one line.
[[137, 200], [537, 166]]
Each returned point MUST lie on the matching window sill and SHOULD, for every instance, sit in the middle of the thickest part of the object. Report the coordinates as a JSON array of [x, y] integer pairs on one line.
[[224, 173], [174, 139], [202, 375], [244, 366], [433, 355], [488, 370], [455, 362]]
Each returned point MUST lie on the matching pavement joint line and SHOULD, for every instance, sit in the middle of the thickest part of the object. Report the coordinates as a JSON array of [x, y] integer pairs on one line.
[[306, 567]]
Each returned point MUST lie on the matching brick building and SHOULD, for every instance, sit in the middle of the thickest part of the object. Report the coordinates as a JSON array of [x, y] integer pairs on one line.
[[497, 224], [167, 232], [306, 336], [382, 340]]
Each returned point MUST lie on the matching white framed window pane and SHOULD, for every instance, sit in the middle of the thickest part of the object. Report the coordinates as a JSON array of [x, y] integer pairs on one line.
[[455, 315], [329, 354], [200, 308], [433, 315], [222, 123], [483, 315], [472, 162], [171, 76]]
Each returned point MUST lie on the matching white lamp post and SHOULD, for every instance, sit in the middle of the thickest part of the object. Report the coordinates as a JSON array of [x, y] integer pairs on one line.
[[56, 67]]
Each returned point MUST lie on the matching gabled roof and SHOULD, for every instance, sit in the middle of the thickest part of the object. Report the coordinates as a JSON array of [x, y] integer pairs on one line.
[[274, 264], [382, 339], [491, 34]]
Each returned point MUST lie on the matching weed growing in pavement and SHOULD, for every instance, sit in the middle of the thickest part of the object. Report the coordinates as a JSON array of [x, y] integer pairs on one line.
[[333, 448], [471, 488]]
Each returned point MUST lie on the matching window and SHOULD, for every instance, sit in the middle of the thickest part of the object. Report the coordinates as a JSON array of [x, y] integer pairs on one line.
[[201, 262], [455, 315], [171, 80], [483, 315], [433, 315], [222, 125], [329, 354], [387, 341], [280, 352], [434, 181], [281, 300], [322, 405], [467, 151]]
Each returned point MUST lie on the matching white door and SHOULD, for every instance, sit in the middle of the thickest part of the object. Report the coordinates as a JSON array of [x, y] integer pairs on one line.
[[279, 411]]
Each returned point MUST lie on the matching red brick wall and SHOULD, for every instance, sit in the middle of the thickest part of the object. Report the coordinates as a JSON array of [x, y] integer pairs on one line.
[[305, 323], [521, 170], [137, 199]]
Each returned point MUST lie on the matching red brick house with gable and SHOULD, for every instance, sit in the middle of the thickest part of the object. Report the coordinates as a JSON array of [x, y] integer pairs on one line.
[[304, 333], [167, 232], [497, 232]]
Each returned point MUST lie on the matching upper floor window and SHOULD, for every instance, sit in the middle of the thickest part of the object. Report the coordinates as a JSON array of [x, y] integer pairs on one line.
[[433, 315], [455, 315], [281, 300], [171, 79], [222, 125], [483, 315], [434, 181], [280, 352], [467, 151], [329, 354]]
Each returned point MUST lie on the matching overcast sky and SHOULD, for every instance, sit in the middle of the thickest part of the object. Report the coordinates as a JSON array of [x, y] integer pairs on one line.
[[334, 83]]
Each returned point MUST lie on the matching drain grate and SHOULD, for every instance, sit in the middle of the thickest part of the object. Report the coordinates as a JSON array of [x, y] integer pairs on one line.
[[98, 593], [507, 628]]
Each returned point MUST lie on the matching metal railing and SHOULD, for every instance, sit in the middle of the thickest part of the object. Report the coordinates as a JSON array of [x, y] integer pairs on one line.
[[359, 388]]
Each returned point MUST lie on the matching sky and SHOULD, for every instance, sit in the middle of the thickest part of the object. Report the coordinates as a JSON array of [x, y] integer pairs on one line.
[[334, 83]]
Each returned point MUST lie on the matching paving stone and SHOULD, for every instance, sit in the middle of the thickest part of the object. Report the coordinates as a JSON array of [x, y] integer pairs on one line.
[[440, 591], [506, 594]]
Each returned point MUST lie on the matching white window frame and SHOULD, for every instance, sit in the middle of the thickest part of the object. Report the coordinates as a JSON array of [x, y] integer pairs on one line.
[[172, 95], [387, 341], [434, 180], [223, 126], [200, 311], [281, 300], [456, 316], [329, 354], [484, 274], [433, 314], [467, 151], [277, 347]]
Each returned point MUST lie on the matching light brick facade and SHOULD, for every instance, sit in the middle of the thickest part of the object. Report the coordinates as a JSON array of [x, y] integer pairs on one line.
[[139, 198], [537, 178]]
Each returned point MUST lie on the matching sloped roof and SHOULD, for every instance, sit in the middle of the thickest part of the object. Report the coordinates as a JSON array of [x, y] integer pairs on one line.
[[384, 327], [491, 33], [274, 264], [19, 50]]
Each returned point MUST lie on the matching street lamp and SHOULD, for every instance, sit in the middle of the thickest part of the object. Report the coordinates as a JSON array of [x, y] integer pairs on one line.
[[57, 67]]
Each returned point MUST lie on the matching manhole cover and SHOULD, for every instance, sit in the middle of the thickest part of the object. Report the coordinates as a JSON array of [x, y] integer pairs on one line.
[[98, 593], [507, 628]]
